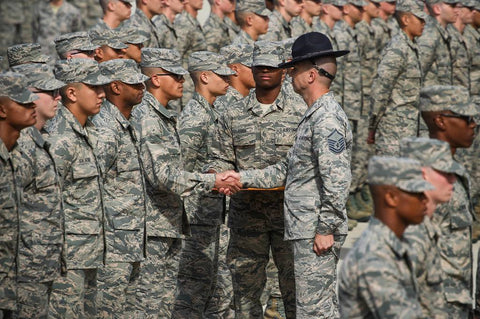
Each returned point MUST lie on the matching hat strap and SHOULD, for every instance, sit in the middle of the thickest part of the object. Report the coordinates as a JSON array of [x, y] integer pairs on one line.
[[322, 71]]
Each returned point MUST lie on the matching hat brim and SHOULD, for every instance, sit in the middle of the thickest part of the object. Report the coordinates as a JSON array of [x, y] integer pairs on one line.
[[415, 186], [135, 79], [140, 40], [468, 109], [174, 69], [117, 45], [313, 55], [48, 84], [420, 14], [96, 79], [264, 12], [24, 97], [224, 71], [449, 167]]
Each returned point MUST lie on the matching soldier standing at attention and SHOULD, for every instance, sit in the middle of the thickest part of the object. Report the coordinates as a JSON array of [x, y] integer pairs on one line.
[[74, 149], [377, 279], [191, 38], [252, 17], [331, 13], [385, 26], [17, 111], [40, 206], [396, 88], [303, 23], [434, 44], [124, 195], [115, 12], [259, 131], [166, 221], [142, 20], [279, 27], [215, 28], [450, 116], [440, 170], [51, 19], [167, 36], [198, 129]]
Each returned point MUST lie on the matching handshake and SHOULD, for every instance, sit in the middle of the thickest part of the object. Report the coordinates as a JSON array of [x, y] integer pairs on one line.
[[228, 182]]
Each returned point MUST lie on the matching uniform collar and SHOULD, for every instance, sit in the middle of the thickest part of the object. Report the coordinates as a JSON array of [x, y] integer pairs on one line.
[[153, 102]]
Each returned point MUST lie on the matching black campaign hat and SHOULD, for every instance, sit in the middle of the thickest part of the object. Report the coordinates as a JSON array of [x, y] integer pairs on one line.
[[309, 46]]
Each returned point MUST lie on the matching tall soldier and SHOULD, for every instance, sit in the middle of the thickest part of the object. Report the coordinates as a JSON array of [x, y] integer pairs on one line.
[[331, 12], [124, 188]]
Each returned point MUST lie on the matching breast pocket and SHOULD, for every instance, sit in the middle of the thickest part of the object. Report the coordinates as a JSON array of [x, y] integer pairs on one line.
[[244, 145], [284, 139]]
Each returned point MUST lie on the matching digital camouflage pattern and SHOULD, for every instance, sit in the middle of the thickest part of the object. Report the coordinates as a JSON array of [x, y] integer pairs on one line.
[[323, 144], [26, 53], [167, 36], [384, 31], [435, 55], [80, 71], [460, 57], [146, 27], [243, 38], [108, 37], [278, 28], [299, 26], [472, 38], [447, 97], [395, 95], [233, 29], [48, 24], [208, 61], [377, 278], [73, 41], [238, 53], [90, 11], [216, 33]]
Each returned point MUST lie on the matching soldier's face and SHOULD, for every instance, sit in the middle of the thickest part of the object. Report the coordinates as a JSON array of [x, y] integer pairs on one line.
[[267, 77], [448, 12], [171, 86], [155, 6], [132, 94], [371, 9], [134, 52], [312, 7], [293, 7], [90, 98], [411, 207], [47, 103], [415, 25], [123, 10], [466, 15], [177, 6], [388, 7], [260, 23], [195, 4], [333, 11], [18, 116], [227, 6], [443, 183], [245, 75], [300, 73], [354, 12], [476, 18], [458, 130], [218, 84]]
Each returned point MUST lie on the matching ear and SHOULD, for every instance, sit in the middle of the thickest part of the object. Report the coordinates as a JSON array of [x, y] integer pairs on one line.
[[281, 3], [155, 80], [391, 197], [249, 20], [234, 68], [346, 9], [116, 87], [71, 93], [111, 5], [3, 108], [440, 123], [204, 77], [99, 53], [436, 8], [217, 2], [165, 3]]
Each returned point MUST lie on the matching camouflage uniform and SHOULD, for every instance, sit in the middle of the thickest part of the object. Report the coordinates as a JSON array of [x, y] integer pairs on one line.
[[198, 130], [299, 26], [424, 237], [460, 57], [191, 38], [377, 278], [472, 37], [384, 31], [47, 24], [315, 276], [256, 137], [435, 54], [243, 38], [26, 53], [146, 26], [278, 28], [216, 33], [454, 218], [395, 94], [74, 149], [124, 197], [233, 29], [90, 11], [166, 220], [167, 36], [13, 86]]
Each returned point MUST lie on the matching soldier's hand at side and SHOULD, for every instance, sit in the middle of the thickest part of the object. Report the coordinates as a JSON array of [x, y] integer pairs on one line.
[[371, 137], [322, 243], [228, 182]]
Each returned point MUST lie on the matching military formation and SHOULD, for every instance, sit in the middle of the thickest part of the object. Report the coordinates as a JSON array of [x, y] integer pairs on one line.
[[156, 167]]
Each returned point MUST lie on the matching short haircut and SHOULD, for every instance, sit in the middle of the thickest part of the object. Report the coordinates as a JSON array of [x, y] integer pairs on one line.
[[398, 16], [104, 5], [241, 17]]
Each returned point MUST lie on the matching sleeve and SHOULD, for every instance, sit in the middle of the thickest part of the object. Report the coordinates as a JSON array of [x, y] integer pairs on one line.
[[223, 153], [427, 45], [331, 144], [268, 177], [62, 153]]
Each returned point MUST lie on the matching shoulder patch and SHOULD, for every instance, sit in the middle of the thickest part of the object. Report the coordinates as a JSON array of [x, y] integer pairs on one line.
[[336, 142]]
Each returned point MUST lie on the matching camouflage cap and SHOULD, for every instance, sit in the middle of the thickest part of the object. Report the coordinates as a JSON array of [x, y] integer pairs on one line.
[[268, 53], [415, 7], [80, 71], [255, 6], [447, 98], [404, 173], [167, 59], [430, 2], [39, 76], [107, 37], [131, 2], [124, 70], [338, 3], [26, 53], [238, 53], [474, 4], [129, 34], [14, 86], [74, 41], [208, 61], [430, 152], [358, 3]]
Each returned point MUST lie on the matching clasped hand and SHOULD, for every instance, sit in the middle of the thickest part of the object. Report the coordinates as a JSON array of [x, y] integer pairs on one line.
[[228, 182]]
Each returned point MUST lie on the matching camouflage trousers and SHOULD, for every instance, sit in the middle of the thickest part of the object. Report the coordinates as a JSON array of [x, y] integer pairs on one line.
[[33, 298], [8, 291], [316, 281], [73, 295], [204, 288], [360, 153], [271, 296], [114, 283], [247, 256], [156, 279]]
